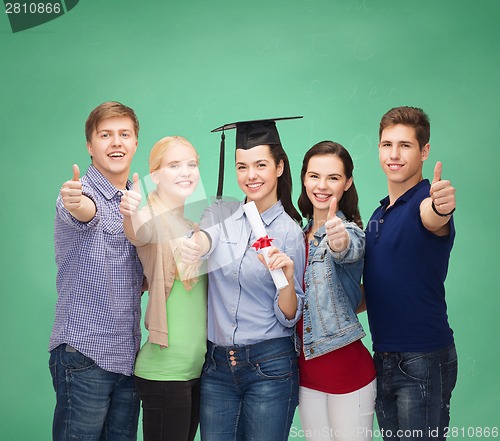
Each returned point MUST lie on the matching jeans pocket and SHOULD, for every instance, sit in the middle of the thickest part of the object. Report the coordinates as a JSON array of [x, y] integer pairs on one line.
[[275, 368], [415, 367], [449, 371], [208, 365], [53, 368], [75, 360]]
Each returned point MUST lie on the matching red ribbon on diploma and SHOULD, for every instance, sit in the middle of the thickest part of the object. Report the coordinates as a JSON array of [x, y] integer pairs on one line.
[[263, 242]]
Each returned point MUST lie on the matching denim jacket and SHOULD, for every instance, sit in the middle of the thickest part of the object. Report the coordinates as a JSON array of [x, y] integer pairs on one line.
[[332, 292]]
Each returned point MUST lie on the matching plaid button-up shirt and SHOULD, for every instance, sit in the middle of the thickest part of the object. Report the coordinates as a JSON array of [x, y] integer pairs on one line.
[[99, 280]]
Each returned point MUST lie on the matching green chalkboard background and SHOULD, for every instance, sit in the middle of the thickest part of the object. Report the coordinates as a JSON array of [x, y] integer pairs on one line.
[[189, 66]]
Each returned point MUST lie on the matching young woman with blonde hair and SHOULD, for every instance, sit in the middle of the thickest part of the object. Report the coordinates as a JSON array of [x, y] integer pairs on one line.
[[168, 366]]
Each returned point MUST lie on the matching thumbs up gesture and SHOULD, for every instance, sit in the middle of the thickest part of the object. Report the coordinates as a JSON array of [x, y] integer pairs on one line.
[[193, 247], [131, 199], [71, 191], [338, 239], [442, 193]]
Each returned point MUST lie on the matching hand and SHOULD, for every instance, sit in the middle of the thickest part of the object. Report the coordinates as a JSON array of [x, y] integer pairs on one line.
[[191, 247], [71, 191], [441, 192], [131, 199], [277, 259], [336, 234]]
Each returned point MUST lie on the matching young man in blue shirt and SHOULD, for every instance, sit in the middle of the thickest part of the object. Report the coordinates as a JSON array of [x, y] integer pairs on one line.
[[408, 243], [96, 333]]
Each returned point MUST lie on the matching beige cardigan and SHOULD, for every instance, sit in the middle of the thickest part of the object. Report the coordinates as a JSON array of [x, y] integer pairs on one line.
[[156, 248]]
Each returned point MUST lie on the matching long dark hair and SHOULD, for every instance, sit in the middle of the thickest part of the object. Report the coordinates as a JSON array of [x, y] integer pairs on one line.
[[285, 182], [348, 204]]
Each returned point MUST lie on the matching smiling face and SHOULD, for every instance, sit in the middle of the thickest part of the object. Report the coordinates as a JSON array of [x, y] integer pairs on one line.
[[257, 175], [112, 146], [325, 178], [401, 157], [178, 175]]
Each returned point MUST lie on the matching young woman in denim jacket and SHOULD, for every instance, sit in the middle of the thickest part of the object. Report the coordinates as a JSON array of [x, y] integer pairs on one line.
[[337, 374]]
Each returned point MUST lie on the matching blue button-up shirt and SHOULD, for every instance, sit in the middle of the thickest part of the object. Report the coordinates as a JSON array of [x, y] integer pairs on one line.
[[242, 298], [99, 280]]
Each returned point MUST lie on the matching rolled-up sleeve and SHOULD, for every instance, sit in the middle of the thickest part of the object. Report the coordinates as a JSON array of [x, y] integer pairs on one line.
[[356, 248]]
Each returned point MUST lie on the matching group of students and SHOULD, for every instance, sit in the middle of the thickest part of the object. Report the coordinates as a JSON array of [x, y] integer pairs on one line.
[[227, 349]]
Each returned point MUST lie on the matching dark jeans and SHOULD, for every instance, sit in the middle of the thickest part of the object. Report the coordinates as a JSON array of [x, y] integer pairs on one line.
[[249, 392], [91, 404], [170, 409], [414, 392]]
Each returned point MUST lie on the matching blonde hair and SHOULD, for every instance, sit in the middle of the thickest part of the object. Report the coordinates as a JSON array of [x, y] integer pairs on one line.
[[160, 148], [187, 273]]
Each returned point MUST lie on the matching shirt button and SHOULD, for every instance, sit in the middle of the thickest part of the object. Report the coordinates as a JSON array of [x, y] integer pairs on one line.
[[308, 329], [315, 243], [233, 363], [231, 352], [381, 221], [311, 351], [306, 306], [119, 193], [232, 358]]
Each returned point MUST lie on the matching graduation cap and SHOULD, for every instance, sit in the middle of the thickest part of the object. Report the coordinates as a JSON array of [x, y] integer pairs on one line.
[[249, 134]]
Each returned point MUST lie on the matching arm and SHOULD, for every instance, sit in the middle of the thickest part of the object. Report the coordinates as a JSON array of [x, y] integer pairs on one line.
[[287, 298], [355, 249], [436, 210], [346, 241], [192, 248], [338, 239], [133, 219], [288, 302], [362, 305], [204, 239]]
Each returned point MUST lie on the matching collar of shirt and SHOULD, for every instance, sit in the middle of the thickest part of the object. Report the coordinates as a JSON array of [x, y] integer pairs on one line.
[[267, 216], [405, 196], [107, 189]]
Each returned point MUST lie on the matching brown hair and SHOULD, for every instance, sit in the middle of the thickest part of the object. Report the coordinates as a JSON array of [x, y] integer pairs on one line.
[[109, 109], [284, 187], [348, 204], [408, 116]]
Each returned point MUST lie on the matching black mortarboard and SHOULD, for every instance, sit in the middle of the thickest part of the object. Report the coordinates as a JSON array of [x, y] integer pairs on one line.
[[249, 134]]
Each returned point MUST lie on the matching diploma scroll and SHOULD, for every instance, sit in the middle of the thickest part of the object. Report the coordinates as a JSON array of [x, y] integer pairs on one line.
[[263, 242]]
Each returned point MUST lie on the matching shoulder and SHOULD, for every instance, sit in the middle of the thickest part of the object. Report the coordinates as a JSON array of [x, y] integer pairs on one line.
[[226, 208], [291, 225], [291, 231], [421, 192]]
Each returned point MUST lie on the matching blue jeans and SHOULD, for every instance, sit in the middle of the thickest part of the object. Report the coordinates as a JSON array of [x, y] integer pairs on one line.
[[414, 392], [91, 404], [249, 392]]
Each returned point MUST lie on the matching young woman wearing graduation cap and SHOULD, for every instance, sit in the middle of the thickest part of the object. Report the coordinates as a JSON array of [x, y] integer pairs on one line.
[[250, 377]]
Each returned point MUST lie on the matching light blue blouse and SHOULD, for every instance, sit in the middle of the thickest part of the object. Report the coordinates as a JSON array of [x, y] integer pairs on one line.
[[242, 298]]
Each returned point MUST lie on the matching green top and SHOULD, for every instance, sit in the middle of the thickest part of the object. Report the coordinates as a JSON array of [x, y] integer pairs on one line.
[[187, 337]]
